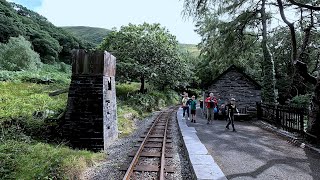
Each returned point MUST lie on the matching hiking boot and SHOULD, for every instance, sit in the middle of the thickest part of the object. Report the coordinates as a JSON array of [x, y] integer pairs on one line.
[[191, 120], [234, 130], [227, 127], [194, 121]]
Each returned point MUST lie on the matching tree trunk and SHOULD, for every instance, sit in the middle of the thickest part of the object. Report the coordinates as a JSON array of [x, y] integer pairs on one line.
[[142, 80], [268, 91]]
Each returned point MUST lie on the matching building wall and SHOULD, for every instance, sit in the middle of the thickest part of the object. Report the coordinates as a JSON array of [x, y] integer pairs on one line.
[[234, 84]]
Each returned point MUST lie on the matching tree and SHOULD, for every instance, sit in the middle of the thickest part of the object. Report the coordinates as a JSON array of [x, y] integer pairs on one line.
[[297, 59], [227, 42], [146, 52], [303, 46], [18, 55]]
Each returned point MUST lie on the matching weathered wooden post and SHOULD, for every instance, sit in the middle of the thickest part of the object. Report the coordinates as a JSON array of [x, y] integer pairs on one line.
[[91, 118]]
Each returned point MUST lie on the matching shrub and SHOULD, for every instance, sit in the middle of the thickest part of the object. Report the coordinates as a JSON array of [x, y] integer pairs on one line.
[[18, 55], [126, 89], [301, 100]]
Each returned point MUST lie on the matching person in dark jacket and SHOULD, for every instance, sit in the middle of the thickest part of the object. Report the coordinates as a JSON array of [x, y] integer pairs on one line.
[[231, 109]]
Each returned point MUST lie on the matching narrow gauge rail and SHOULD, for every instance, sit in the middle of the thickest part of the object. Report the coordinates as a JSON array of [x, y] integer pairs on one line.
[[159, 133]]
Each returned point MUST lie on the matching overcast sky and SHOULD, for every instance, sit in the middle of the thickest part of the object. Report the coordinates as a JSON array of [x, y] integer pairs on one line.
[[115, 13]]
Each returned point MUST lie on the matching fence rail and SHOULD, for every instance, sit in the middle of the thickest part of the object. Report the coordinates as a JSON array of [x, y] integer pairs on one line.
[[288, 118]]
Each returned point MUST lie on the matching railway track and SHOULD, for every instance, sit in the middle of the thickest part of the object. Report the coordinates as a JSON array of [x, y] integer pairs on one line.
[[154, 149]]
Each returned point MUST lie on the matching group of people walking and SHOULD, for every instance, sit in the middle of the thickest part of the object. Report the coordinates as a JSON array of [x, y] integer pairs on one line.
[[186, 102], [211, 103]]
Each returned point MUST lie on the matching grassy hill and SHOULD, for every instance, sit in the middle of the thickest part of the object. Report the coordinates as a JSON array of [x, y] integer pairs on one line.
[[91, 34], [192, 48]]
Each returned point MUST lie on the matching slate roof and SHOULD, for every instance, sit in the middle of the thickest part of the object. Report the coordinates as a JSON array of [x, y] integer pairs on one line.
[[234, 67]]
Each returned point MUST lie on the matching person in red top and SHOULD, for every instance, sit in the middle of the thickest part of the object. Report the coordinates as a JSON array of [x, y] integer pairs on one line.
[[211, 103]]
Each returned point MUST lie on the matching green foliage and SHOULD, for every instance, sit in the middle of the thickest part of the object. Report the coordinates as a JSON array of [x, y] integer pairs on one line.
[[134, 105], [32, 98], [146, 52], [124, 90], [221, 47], [24, 111], [17, 55], [51, 43], [126, 115], [20, 160], [191, 48], [237, 40], [301, 100], [91, 34], [57, 73]]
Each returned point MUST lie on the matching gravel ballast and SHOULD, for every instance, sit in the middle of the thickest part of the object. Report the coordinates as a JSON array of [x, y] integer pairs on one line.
[[117, 155]]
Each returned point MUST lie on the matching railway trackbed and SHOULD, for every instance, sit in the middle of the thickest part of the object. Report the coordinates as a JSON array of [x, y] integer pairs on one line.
[[154, 150]]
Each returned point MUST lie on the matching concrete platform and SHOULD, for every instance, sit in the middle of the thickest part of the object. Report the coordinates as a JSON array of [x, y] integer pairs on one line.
[[203, 165]]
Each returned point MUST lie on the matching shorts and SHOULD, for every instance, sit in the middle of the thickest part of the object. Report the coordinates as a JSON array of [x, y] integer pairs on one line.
[[193, 111]]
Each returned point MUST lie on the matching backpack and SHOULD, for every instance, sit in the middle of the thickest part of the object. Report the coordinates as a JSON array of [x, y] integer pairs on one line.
[[189, 101]]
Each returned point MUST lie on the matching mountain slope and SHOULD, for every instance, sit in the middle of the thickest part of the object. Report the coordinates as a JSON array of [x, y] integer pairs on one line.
[[93, 35], [191, 48], [50, 42]]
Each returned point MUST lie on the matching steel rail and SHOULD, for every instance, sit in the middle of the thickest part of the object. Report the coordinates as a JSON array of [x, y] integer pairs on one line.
[[137, 155], [163, 158]]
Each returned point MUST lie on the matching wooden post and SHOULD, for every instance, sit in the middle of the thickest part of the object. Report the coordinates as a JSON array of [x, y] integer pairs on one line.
[[301, 119], [278, 121]]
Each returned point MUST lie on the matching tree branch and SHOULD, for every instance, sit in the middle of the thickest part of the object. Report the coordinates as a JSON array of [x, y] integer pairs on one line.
[[301, 66], [317, 64], [316, 8], [306, 38], [303, 71], [292, 31]]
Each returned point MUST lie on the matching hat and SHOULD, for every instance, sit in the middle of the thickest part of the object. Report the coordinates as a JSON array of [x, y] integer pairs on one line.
[[232, 99]]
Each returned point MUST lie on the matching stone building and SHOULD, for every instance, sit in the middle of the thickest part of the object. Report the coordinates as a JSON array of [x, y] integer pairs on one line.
[[233, 82], [91, 116]]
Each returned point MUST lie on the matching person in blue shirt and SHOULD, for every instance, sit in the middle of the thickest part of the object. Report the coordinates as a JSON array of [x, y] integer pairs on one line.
[[193, 105]]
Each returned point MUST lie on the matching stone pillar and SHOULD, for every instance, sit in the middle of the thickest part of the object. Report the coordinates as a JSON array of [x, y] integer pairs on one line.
[[91, 118]]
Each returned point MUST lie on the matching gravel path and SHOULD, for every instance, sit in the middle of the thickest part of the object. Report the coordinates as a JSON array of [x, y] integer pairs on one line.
[[118, 155], [253, 153]]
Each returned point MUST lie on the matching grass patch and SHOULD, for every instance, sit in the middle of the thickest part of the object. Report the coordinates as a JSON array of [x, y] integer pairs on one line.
[[124, 90], [20, 160], [134, 105], [25, 108], [126, 116], [24, 99], [56, 73]]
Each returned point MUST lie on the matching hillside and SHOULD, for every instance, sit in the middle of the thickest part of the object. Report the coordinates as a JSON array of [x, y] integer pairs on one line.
[[52, 43], [93, 35], [192, 48]]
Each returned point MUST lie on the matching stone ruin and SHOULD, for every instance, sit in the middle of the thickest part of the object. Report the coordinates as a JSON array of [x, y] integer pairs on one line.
[[91, 116]]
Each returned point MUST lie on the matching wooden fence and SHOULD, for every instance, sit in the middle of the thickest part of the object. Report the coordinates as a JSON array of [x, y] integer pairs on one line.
[[288, 118]]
